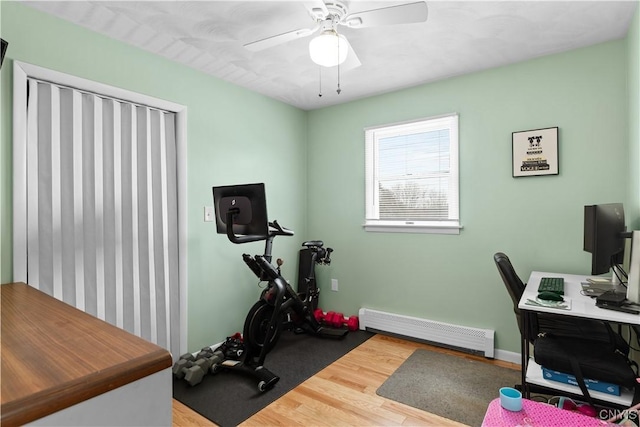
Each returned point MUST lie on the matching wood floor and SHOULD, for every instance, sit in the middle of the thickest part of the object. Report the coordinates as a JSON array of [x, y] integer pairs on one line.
[[344, 393]]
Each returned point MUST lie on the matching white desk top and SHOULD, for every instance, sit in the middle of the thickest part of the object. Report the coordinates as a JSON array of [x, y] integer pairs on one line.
[[581, 305]]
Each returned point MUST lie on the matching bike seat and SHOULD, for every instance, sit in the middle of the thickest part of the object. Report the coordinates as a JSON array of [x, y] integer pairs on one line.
[[310, 243]]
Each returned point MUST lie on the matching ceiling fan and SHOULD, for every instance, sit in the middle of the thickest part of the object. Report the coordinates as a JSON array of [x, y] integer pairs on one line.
[[331, 48]]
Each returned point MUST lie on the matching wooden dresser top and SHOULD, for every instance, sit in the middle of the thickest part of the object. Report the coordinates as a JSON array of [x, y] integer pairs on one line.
[[55, 356]]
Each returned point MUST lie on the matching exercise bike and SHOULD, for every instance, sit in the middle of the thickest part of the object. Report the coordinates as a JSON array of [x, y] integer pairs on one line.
[[241, 215], [280, 307]]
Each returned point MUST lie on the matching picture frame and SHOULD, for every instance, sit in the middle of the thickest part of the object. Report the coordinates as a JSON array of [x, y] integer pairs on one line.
[[535, 152]]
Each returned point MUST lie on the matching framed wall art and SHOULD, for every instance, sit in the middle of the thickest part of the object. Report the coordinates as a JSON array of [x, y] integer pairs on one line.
[[535, 152]]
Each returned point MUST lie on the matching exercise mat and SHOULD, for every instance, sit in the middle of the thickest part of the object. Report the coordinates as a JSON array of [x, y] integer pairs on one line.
[[228, 398], [456, 388]]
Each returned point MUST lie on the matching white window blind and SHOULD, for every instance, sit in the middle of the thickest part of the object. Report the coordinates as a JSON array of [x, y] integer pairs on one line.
[[412, 176]]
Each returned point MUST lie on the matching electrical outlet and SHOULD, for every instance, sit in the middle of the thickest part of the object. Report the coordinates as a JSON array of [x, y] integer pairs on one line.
[[208, 214], [334, 285]]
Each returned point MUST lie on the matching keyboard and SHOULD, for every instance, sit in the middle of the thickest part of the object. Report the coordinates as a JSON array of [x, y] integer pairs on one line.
[[552, 284]]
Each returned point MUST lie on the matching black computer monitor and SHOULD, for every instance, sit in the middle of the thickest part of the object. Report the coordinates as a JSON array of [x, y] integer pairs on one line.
[[249, 203], [3, 49], [604, 236]]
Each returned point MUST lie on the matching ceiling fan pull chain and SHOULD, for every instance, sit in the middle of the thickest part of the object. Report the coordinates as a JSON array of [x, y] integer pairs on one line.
[[338, 50], [319, 81]]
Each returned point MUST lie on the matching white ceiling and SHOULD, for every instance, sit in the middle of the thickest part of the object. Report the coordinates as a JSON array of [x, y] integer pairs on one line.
[[457, 38]]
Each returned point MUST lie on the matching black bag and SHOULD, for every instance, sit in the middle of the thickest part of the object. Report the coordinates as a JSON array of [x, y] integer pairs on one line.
[[586, 358]]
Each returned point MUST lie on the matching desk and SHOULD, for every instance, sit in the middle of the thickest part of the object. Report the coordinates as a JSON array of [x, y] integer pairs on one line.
[[581, 306]]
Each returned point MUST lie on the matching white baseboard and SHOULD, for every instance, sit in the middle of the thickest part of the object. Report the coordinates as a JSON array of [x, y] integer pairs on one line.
[[508, 356]]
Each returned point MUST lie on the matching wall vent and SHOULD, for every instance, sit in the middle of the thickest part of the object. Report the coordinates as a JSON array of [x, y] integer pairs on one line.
[[460, 337]]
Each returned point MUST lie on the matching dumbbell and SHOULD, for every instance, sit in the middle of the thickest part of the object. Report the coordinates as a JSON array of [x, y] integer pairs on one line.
[[185, 362], [337, 320], [194, 374], [325, 318], [205, 352], [331, 318], [216, 359]]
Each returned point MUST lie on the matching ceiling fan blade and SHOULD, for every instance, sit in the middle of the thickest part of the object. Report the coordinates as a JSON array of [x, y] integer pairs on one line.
[[352, 60], [317, 9], [272, 41], [401, 14]]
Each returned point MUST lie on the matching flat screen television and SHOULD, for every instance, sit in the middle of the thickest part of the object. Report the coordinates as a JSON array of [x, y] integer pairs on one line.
[[604, 236], [249, 205]]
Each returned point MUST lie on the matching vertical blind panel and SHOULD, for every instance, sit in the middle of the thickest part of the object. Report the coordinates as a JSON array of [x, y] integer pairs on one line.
[[135, 252], [102, 209], [89, 214], [152, 214], [117, 213], [78, 195], [142, 219], [128, 260], [98, 159], [56, 195], [105, 175], [33, 247], [66, 209], [158, 299], [172, 278], [165, 315], [45, 195]]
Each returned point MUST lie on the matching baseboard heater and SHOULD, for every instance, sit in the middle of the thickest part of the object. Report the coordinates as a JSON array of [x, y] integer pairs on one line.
[[473, 340]]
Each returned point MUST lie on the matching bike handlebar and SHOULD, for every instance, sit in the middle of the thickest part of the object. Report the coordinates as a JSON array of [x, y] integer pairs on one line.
[[279, 230], [275, 229]]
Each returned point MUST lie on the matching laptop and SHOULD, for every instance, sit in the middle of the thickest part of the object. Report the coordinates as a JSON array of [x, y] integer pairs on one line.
[[594, 290]]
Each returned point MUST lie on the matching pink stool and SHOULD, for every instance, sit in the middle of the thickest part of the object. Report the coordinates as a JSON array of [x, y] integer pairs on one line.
[[536, 414]]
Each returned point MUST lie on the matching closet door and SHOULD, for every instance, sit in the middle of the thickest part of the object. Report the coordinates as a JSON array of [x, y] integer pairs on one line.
[[101, 209]]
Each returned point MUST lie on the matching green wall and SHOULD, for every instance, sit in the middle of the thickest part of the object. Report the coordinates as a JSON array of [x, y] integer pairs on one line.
[[234, 136], [537, 221], [591, 94]]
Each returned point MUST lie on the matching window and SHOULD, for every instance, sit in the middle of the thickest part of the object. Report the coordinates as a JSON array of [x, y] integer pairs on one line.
[[412, 176]]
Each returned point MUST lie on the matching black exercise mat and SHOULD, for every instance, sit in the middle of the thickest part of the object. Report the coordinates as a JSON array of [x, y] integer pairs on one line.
[[228, 398]]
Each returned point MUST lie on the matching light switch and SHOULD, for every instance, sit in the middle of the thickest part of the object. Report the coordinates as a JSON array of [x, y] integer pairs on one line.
[[208, 214]]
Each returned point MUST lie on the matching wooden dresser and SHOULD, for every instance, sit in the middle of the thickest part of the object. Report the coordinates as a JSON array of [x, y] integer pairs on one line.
[[60, 363]]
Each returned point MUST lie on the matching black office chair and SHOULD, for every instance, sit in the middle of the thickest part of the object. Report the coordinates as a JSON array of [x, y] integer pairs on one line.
[[549, 323]]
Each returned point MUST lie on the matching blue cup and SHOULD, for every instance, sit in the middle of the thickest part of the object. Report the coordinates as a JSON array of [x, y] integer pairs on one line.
[[510, 399]]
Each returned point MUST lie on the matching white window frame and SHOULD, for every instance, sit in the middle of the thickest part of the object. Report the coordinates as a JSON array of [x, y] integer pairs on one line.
[[372, 218]]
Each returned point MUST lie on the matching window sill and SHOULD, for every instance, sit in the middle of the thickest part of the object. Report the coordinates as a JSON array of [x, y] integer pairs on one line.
[[451, 227]]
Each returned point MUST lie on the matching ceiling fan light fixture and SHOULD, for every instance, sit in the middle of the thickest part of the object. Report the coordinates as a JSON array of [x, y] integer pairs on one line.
[[328, 49]]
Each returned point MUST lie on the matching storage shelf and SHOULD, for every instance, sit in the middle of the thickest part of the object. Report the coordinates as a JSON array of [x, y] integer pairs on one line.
[[534, 376]]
